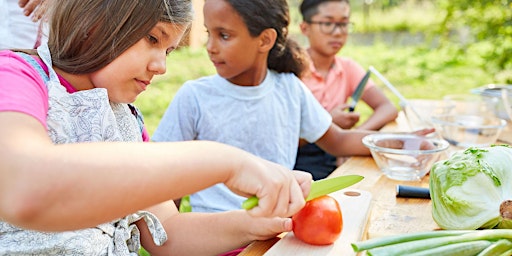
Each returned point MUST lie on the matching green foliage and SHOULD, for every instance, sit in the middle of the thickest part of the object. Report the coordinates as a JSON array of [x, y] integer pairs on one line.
[[411, 16], [489, 22]]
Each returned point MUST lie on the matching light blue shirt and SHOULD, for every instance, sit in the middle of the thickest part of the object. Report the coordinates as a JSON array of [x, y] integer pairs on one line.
[[266, 120]]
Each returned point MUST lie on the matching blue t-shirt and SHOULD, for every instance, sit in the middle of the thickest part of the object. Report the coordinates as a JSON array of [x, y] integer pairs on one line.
[[266, 120]]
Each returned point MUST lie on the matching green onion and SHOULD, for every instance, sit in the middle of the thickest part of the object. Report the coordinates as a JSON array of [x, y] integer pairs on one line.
[[465, 248], [507, 253], [407, 248], [441, 243], [497, 248], [378, 242]]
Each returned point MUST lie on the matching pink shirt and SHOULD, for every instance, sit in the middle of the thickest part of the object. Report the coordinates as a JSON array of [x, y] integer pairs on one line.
[[340, 83], [23, 90]]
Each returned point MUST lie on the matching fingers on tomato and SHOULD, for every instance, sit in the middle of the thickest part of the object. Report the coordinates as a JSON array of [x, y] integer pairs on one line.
[[320, 222]]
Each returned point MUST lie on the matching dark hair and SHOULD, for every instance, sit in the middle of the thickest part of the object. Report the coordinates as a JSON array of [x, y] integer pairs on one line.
[[309, 8], [286, 55], [86, 35]]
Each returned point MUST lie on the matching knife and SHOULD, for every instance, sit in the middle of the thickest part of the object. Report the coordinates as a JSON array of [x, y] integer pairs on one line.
[[318, 188], [359, 91]]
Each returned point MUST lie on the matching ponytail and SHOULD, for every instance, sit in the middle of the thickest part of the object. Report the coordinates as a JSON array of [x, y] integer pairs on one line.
[[291, 59]]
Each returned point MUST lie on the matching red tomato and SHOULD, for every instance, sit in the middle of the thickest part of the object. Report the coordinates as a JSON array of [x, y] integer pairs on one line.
[[319, 222]]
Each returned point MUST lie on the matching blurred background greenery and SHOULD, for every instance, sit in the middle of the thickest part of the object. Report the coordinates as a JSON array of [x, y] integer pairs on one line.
[[425, 48]]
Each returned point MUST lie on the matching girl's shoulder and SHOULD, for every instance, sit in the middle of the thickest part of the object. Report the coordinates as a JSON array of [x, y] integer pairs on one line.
[[12, 59], [288, 79], [197, 88], [205, 81], [16, 68], [22, 88]]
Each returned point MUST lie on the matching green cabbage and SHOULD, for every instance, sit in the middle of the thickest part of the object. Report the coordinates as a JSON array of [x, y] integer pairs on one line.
[[473, 189]]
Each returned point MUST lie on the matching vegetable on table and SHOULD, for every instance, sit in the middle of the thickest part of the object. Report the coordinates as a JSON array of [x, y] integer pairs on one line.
[[440, 243], [320, 222], [473, 189]]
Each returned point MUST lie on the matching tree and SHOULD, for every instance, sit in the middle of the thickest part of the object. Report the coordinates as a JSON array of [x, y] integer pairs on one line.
[[489, 22]]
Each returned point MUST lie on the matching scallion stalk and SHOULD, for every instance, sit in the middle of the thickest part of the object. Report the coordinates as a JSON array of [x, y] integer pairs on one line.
[[507, 253], [465, 248], [407, 248], [497, 248], [382, 241]]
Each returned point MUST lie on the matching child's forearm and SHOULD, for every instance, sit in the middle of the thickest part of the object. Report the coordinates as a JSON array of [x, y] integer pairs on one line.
[[215, 233]]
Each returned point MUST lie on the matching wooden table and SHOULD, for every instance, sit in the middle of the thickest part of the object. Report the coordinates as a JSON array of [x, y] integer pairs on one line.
[[389, 215]]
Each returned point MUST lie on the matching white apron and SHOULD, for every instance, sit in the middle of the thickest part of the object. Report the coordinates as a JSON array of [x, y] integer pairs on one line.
[[83, 116]]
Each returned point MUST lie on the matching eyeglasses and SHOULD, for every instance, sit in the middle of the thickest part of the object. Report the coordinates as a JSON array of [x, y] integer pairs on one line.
[[328, 27]]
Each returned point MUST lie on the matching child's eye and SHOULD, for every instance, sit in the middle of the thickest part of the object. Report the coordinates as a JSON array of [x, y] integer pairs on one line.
[[152, 39], [224, 36]]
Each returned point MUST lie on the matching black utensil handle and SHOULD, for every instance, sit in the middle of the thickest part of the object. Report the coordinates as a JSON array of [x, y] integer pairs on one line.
[[414, 192]]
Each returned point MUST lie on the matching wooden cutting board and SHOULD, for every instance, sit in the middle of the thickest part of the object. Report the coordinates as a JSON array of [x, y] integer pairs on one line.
[[355, 208]]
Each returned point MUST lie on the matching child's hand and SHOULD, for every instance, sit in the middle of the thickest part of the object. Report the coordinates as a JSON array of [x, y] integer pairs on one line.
[[280, 191], [344, 119], [35, 7], [424, 131], [261, 228]]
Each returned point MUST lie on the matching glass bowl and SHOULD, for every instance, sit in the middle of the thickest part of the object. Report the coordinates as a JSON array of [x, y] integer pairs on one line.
[[418, 112], [469, 130], [498, 98], [402, 156]]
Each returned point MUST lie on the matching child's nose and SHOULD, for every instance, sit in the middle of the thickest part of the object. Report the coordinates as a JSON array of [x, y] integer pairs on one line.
[[159, 64], [210, 47]]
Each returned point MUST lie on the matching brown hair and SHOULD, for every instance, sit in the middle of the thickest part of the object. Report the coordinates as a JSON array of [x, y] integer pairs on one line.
[[258, 15], [309, 8], [86, 35]]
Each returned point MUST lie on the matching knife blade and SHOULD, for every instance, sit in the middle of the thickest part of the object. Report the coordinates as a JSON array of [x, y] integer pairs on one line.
[[359, 91], [318, 188]]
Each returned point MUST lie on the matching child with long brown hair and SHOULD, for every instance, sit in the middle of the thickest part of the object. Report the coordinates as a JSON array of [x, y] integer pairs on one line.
[[73, 178]]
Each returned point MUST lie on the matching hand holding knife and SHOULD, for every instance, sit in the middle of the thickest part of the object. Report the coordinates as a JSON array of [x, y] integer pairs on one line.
[[359, 91], [318, 188]]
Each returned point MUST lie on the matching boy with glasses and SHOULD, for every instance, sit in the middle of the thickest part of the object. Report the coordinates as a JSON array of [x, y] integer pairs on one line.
[[333, 79]]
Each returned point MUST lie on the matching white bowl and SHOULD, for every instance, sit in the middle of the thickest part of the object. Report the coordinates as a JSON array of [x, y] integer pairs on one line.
[[469, 130], [404, 156]]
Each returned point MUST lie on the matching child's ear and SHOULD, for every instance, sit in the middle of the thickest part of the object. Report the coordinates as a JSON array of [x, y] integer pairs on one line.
[[304, 27], [267, 39]]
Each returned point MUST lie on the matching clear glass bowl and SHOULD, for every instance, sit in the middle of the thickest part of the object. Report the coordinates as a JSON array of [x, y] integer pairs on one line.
[[418, 112], [469, 130], [403, 156], [498, 98]]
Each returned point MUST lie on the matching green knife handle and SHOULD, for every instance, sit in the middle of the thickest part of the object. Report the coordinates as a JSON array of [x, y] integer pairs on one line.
[[250, 203]]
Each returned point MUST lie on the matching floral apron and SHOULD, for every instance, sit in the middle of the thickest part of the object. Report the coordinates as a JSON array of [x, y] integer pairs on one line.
[[83, 116]]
